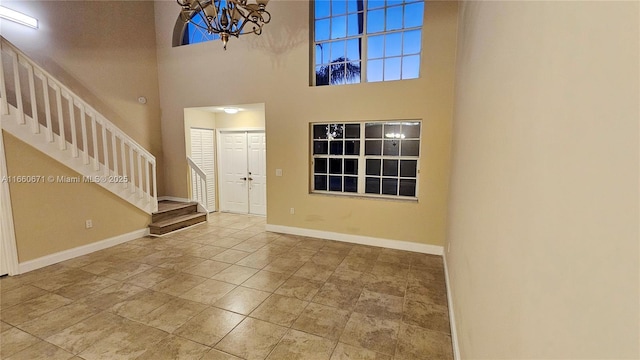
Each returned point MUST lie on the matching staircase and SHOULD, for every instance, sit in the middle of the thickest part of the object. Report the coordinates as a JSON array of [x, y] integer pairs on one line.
[[173, 215], [42, 112]]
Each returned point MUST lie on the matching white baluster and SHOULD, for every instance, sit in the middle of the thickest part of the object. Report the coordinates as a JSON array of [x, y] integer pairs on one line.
[[62, 140], [114, 149], [105, 146], [94, 137], [16, 79], [139, 175], [4, 106], [155, 187], [148, 178], [35, 126], [47, 107], [124, 163], [83, 128], [72, 123]]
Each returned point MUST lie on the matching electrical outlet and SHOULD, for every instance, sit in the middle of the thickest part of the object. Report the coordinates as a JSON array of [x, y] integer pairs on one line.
[[88, 224], [292, 211]]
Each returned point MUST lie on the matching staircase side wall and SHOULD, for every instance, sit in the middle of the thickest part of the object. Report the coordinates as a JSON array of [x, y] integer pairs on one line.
[[50, 214]]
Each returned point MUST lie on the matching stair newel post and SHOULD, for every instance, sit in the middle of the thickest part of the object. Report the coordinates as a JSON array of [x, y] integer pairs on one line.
[[125, 184], [72, 123], [83, 128], [35, 126], [47, 108], [94, 137], [4, 106], [105, 146], [155, 187], [62, 140]]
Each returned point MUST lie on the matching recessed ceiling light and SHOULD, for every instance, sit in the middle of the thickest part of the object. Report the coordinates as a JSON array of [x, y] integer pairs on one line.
[[230, 110]]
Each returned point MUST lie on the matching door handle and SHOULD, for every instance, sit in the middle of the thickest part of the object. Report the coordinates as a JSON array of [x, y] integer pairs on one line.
[[243, 178], [250, 178]]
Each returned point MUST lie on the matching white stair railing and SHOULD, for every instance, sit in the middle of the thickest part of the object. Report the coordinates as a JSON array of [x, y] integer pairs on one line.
[[199, 184], [41, 111]]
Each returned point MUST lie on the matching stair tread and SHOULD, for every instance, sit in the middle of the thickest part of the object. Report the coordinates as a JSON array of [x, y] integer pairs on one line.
[[177, 219], [166, 206]]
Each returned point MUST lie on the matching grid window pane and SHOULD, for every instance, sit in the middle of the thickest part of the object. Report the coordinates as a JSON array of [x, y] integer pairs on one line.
[[338, 27], [353, 49], [338, 50], [375, 21], [393, 44], [335, 166], [338, 7], [352, 147], [408, 168], [373, 147], [412, 42], [320, 147], [413, 14], [407, 187], [354, 24], [390, 168], [352, 6], [374, 4], [373, 131], [320, 166], [389, 186], [322, 29], [394, 18], [351, 166], [411, 67], [411, 130], [322, 8], [372, 185], [320, 182], [322, 76], [350, 184], [391, 148], [335, 183], [375, 47], [352, 131], [320, 131], [375, 70], [336, 147], [373, 167], [410, 147], [392, 69]]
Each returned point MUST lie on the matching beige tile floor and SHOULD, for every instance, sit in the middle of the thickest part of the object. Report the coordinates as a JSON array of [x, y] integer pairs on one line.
[[229, 290]]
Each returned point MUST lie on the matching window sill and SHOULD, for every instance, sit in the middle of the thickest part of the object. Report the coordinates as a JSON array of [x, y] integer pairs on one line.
[[406, 199]]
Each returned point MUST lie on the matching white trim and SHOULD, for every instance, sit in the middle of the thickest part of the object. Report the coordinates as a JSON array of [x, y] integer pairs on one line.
[[452, 318], [359, 239], [80, 250], [7, 230], [173, 198]]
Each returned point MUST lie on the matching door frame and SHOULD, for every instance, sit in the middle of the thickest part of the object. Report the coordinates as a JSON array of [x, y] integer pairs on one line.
[[8, 246], [219, 132]]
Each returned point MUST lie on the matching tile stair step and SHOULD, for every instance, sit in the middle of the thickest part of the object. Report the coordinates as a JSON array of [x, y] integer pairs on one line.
[[178, 222]]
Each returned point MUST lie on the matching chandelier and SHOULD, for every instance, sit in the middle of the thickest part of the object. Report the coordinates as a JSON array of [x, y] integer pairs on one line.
[[226, 17]]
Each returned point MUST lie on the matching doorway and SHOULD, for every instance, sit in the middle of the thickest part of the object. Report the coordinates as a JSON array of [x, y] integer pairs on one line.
[[242, 180]]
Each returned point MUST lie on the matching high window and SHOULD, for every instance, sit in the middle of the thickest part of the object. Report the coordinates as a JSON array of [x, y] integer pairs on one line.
[[369, 159], [366, 40]]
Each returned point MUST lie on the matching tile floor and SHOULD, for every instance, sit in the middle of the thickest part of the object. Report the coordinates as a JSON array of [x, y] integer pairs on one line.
[[229, 290]]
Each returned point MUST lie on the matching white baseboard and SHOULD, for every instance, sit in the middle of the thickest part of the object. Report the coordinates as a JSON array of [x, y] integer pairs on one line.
[[452, 318], [173, 198], [79, 251], [358, 239]]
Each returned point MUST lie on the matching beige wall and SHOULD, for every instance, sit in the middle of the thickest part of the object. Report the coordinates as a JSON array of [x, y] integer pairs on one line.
[[50, 217], [105, 52], [274, 69], [543, 228]]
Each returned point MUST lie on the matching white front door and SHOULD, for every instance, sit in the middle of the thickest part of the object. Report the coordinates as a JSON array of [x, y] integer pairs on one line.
[[202, 153], [243, 172]]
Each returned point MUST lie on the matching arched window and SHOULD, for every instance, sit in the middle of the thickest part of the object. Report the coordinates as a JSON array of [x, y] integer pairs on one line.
[[185, 33]]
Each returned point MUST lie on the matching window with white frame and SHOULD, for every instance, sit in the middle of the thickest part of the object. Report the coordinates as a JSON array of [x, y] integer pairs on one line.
[[369, 158], [366, 40]]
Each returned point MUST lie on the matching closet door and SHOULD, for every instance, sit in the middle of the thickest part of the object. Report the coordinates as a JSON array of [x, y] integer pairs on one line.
[[203, 154]]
